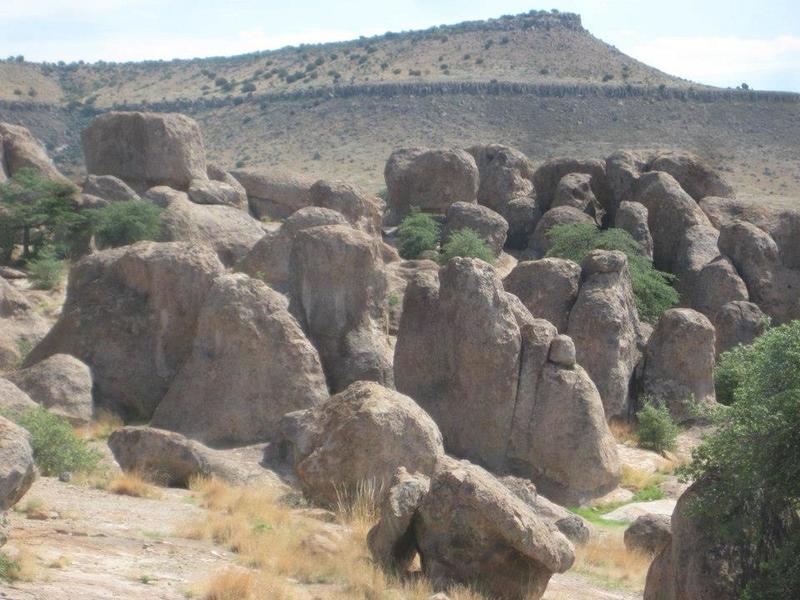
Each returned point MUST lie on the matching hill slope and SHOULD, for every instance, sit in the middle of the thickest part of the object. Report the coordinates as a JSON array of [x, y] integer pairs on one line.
[[538, 81]]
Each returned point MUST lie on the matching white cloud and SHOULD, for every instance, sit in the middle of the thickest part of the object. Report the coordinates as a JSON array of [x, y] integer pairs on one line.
[[31, 9], [721, 61]]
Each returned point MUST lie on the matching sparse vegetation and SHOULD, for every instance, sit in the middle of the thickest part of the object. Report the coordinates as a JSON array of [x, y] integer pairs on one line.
[[132, 484], [9, 568], [467, 243], [46, 270], [123, 223], [731, 371], [418, 233], [655, 428], [652, 288]]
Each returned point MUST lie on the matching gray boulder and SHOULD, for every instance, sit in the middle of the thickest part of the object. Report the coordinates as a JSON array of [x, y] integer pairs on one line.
[[274, 194], [489, 225], [362, 210], [547, 287], [548, 175], [693, 174], [108, 188], [209, 191], [505, 174], [539, 242], [632, 217], [738, 323], [13, 401], [575, 190], [17, 470], [21, 150], [522, 216], [648, 534]]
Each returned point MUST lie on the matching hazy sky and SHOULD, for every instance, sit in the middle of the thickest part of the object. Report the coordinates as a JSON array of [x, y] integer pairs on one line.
[[717, 42]]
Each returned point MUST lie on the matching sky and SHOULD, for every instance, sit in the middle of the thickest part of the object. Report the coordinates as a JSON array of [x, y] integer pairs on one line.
[[717, 42]]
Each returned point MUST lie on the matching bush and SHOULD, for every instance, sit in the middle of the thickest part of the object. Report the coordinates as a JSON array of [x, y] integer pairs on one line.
[[730, 372], [9, 568], [56, 448], [466, 242], [46, 270], [123, 223], [417, 233], [652, 289], [751, 463], [656, 430]]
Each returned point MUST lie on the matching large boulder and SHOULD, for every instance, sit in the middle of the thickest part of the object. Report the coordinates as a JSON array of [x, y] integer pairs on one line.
[[505, 174], [269, 258], [173, 460], [756, 257], [232, 233], [338, 292], [738, 323], [20, 150], [632, 217], [547, 287], [209, 191], [145, 149], [623, 169], [648, 534], [62, 384], [548, 175], [362, 211], [679, 362], [717, 284], [108, 188], [13, 401], [13, 302], [130, 314], [692, 173], [358, 438], [539, 242], [250, 364], [17, 470], [430, 180], [217, 173], [575, 190], [274, 194], [399, 275], [489, 225], [605, 327], [469, 528], [522, 216]]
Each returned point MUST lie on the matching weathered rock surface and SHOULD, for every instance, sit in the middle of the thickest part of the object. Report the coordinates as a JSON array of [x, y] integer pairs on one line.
[[230, 232], [250, 364], [522, 215], [605, 327], [338, 292], [399, 275], [145, 149], [505, 174], [130, 314], [547, 287], [547, 177], [358, 437], [362, 210], [62, 384], [269, 258], [209, 191], [693, 174], [274, 193], [20, 150], [17, 470], [469, 528], [623, 169], [648, 534], [717, 284], [430, 180], [539, 242], [109, 188], [737, 323], [13, 401], [679, 362], [632, 217], [575, 190], [489, 225], [170, 459]]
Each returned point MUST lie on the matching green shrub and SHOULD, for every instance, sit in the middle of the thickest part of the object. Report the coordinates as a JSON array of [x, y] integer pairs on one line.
[[417, 233], [56, 448], [652, 289], [730, 372], [466, 242], [655, 429], [9, 568], [123, 223], [750, 464], [46, 270]]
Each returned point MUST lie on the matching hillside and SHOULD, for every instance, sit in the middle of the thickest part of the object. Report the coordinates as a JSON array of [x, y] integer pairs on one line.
[[538, 81]]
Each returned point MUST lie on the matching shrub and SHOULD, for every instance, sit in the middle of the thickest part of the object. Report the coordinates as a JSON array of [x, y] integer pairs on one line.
[[656, 430], [123, 223], [730, 372], [751, 464], [56, 448], [466, 242], [248, 87], [652, 289], [46, 270], [417, 233], [9, 568]]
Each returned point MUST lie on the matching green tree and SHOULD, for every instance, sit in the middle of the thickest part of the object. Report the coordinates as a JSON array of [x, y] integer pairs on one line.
[[655, 428], [36, 213], [123, 223], [652, 289], [417, 233], [466, 242], [751, 464]]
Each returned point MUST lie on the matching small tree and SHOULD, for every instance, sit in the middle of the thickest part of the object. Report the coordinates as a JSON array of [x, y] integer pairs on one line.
[[466, 242], [418, 232], [655, 429], [123, 223]]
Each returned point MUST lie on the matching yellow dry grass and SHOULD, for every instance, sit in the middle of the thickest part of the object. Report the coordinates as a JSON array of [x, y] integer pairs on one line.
[[605, 559], [622, 431], [280, 549], [132, 484], [638, 479], [103, 425]]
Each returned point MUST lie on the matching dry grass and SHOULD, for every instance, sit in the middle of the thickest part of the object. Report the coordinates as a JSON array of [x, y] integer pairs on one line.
[[637, 479], [605, 559], [61, 562], [132, 484], [280, 548], [623, 432], [103, 425]]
